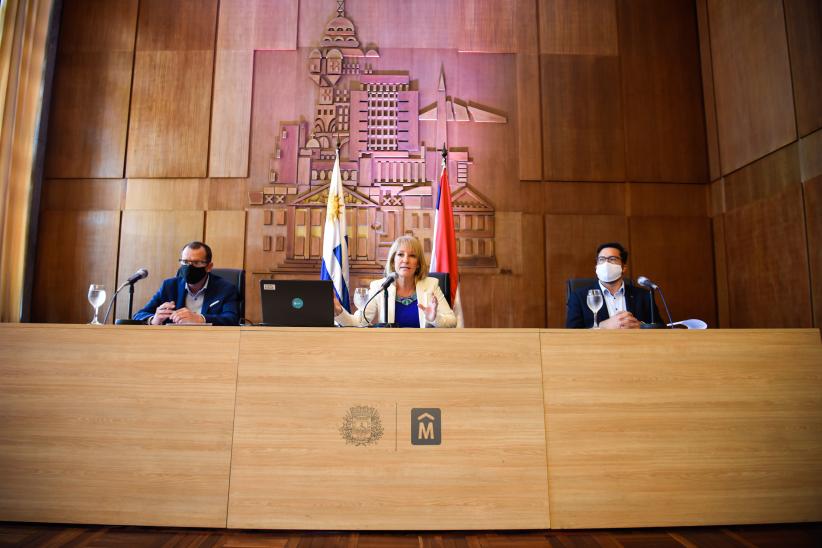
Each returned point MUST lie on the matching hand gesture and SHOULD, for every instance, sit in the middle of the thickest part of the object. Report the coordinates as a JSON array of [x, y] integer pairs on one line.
[[184, 315], [621, 320], [163, 312], [431, 309]]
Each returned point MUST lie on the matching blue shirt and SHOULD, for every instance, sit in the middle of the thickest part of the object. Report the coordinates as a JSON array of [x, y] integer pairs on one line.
[[407, 315]]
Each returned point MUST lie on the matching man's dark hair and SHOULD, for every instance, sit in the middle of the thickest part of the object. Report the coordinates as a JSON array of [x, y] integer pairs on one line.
[[623, 253], [198, 245]]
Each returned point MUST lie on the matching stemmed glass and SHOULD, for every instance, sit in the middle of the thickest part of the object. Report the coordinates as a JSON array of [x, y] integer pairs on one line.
[[96, 297], [360, 297], [595, 303]]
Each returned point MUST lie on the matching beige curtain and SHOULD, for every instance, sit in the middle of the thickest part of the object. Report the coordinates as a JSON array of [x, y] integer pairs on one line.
[[24, 26]]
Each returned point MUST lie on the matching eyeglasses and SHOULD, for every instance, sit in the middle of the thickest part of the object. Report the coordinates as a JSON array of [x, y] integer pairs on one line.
[[612, 260], [198, 264]]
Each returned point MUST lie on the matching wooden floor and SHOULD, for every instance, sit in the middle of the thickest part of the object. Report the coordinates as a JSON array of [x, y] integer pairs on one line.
[[793, 536]]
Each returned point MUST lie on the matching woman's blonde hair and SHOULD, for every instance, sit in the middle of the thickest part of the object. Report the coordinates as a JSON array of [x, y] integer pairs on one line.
[[415, 246]]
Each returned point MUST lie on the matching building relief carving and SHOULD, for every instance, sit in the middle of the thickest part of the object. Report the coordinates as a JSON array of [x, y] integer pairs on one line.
[[390, 176]]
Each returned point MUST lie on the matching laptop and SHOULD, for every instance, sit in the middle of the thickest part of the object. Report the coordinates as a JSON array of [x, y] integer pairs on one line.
[[297, 303]]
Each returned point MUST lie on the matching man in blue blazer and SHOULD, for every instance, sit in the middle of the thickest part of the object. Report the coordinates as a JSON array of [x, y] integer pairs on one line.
[[195, 295], [625, 306]]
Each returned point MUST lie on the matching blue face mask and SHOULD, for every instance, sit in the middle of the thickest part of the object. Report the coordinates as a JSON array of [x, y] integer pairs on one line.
[[192, 274]]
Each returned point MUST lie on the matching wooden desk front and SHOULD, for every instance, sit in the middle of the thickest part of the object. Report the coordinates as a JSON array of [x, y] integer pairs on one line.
[[246, 427]]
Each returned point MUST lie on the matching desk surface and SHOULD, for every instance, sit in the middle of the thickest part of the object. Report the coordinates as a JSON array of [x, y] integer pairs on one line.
[[245, 427]]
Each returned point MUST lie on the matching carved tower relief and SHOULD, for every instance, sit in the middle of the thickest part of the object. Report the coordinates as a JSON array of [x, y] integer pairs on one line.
[[390, 176]]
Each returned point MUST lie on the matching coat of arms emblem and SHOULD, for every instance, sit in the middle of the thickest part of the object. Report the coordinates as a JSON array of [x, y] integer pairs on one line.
[[361, 426]]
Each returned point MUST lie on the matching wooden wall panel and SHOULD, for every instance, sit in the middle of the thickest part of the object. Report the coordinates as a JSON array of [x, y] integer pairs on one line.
[[723, 311], [582, 119], [585, 198], [136, 430], [227, 194], [153, 240], [570, 252], [170, 112], [529, 117], [803, 20], [768, 266], [708, 94], [578, 27], [810, 156], [813, 218], [763, 178], [752, 79], [88, 119], [662, 91], [259, 24], [83, 194], [225, 234], [498, 26], [75, 249], [669, 200], [231, 114], [677, 254], [167, 194]]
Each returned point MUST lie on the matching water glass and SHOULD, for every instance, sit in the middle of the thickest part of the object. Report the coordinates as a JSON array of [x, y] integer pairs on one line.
[[595, 303], [96, 297], [360, 297]]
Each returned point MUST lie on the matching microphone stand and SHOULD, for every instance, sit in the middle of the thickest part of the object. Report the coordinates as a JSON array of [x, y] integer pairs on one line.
[[654, 324], [129, 321], [384, 322]]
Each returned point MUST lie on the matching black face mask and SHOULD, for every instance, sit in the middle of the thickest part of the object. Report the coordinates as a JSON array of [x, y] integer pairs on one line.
[[192, 274]]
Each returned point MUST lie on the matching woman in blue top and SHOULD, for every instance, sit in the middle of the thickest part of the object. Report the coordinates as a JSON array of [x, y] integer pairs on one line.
[[414, 300]]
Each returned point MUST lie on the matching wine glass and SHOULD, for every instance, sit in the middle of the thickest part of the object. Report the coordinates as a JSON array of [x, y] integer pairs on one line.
[[96, 296], [595, 303], [360, 297]]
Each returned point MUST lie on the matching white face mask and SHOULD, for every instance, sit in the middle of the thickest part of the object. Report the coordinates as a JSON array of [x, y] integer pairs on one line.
[[608, 272]]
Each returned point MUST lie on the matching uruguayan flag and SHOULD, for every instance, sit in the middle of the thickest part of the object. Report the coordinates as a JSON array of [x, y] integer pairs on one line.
[[335, 239]]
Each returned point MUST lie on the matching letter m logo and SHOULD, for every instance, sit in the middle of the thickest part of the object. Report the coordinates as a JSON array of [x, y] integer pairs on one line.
[[426, 426]]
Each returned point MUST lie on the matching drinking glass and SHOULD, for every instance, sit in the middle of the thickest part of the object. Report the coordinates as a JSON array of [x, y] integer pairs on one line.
[[96, 296], [595, 303], [360, 297]]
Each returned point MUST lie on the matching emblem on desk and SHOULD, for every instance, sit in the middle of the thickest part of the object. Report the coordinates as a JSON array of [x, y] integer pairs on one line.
[[426, 426], [361, 426]]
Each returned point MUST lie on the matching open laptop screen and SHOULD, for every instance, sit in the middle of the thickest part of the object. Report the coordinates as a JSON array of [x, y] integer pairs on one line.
[[297, 303]]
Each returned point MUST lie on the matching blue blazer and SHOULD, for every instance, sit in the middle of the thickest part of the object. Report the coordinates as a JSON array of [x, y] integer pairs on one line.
[[637, 301], [220, 305]]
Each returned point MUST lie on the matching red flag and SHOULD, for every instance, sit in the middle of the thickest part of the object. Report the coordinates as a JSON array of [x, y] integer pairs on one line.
[[444, 251]]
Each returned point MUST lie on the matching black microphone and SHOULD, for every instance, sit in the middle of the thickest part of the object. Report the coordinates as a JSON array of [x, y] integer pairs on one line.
[[391, 278], [137, 276], [646, 283]]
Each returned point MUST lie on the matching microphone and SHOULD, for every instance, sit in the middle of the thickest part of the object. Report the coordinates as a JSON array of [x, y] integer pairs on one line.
[[648, 284], [391, 278], [645, 282], [139, 275]]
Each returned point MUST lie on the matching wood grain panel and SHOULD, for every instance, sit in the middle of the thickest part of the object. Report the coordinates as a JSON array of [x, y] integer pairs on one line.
[[813, 220], [810, 156], [803, 19], [496, 26], [708, 94], [582, 118], [170, 112], [74, 249], [83, 194], [225, 234], [570, 252], [670, 200], [763, 178], [227, 194], [754, 101], [727, 430], [768, 262], [424, 24], [182, 25], [580, 27], [258, 24], [723, 311], [529, 116], [167, 194], [585, 198], [489, 470], [108, 429], [153, 240], [662, 91], [717, 198], [88, 119], [677, 253], [231, 114]]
